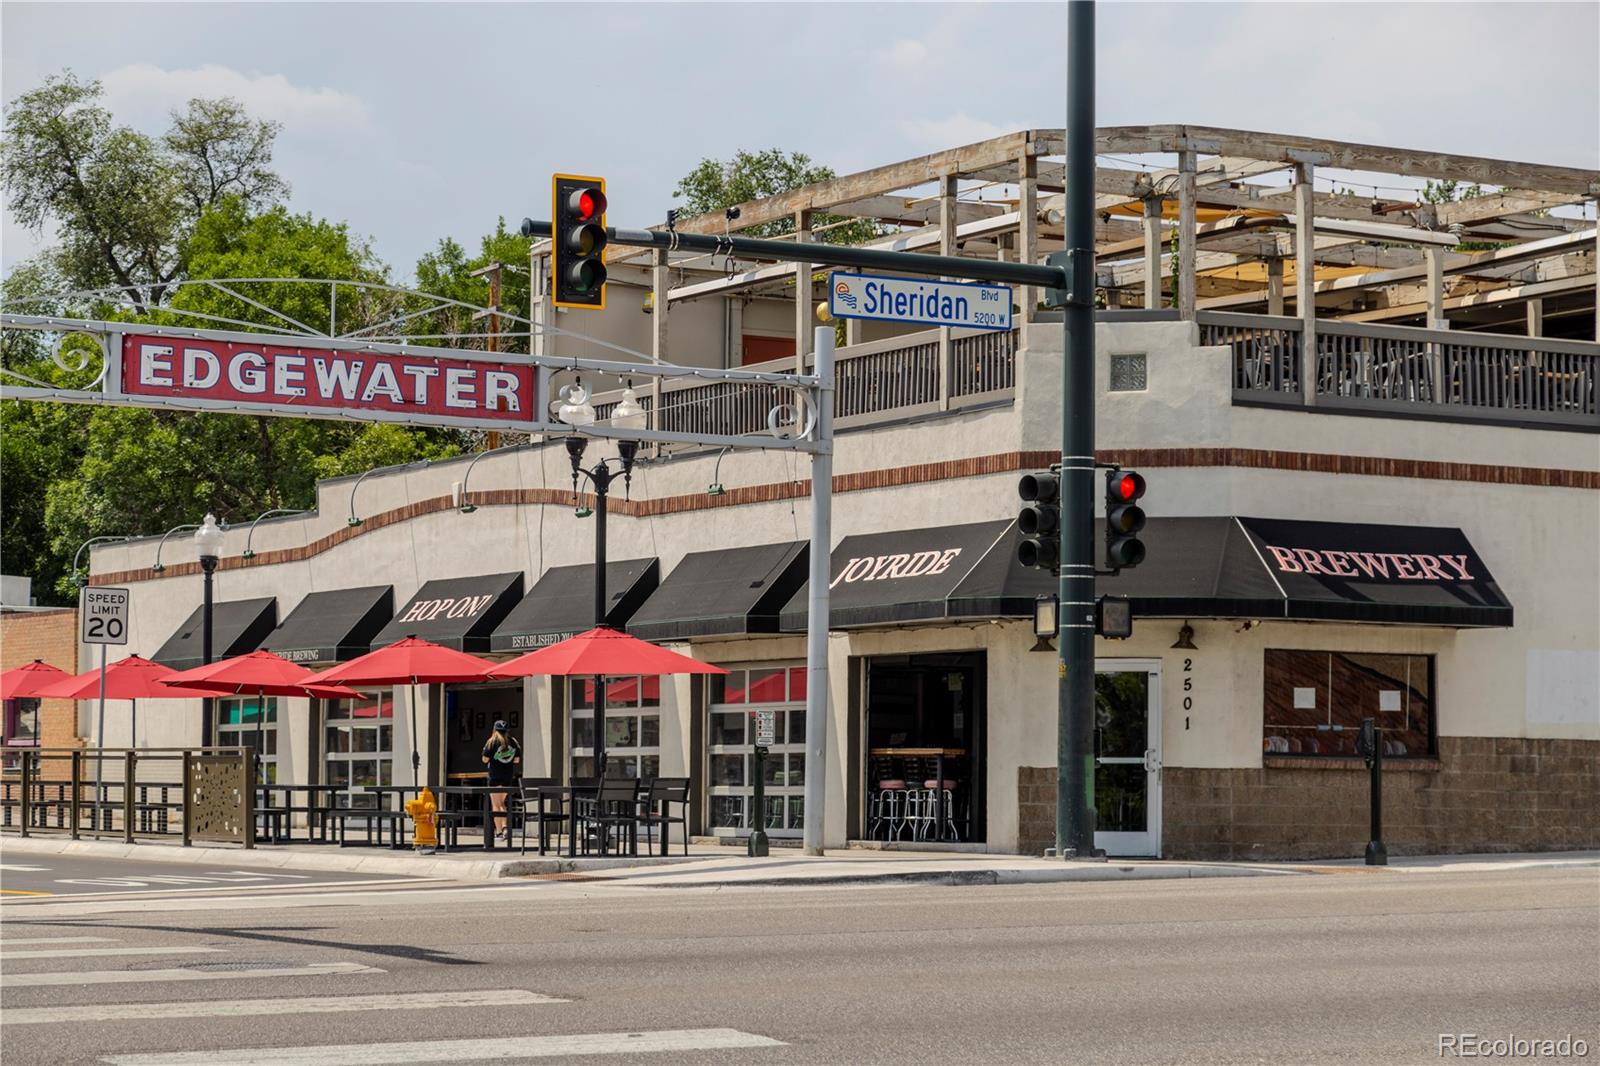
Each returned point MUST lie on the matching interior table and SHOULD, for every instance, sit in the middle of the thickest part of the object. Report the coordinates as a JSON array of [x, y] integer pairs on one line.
[[939, 755]]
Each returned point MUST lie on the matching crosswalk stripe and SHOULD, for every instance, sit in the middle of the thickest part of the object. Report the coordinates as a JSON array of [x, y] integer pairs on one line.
[[235, 1008], [57, 940], [24, 869], [127, 977], [488, 1050], [86, 953]]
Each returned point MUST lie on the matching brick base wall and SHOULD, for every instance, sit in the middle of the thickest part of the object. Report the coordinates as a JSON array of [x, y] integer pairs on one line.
[[53, 637], [1484, 794]]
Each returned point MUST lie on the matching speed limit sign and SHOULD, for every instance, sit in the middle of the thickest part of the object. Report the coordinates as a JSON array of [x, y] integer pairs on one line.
[[105, 616]]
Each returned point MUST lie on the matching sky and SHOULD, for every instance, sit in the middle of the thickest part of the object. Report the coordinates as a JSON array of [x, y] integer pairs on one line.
[[413, 122]]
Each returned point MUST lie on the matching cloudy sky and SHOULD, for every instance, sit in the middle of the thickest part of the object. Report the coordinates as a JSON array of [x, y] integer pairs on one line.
[[418, 121]]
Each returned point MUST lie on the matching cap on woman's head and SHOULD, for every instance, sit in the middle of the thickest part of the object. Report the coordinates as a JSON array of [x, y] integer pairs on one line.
[[500, 725]]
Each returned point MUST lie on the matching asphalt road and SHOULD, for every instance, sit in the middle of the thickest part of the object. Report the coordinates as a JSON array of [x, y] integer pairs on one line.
[[1358, 966], [25, 874]]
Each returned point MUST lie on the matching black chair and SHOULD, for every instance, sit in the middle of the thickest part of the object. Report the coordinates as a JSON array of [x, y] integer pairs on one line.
[[459, 811], [615, 806], [524, 804], [656, 810]]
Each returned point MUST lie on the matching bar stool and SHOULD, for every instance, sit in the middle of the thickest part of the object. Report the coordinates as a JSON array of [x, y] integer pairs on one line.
[[886, 807]]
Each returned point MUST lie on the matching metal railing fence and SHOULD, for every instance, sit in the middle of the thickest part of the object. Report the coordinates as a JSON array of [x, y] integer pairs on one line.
[[1404, 370], [188, 793]]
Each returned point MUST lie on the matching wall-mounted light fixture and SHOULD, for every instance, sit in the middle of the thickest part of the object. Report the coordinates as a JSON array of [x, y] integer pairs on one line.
[[247, 553], [159, 565], [1185, 641]]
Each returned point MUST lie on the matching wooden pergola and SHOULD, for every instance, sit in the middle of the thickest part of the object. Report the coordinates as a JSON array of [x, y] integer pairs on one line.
[[1201, 218]]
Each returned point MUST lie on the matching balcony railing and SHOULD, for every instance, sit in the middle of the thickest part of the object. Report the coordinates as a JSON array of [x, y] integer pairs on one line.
[[895, 377], [1411, 372]]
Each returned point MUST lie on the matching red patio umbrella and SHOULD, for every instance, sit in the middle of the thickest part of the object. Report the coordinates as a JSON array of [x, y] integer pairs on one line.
[[24, 682], [410, 662], [603, 652], [262, 674], [132, 679]]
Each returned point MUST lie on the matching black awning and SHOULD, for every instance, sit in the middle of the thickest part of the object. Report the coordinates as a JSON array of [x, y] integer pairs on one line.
[[904, 576], [723, 593], [1199, 567], [332, 626], [1348, 571], [561, 603], [237, 627], [457, 612]]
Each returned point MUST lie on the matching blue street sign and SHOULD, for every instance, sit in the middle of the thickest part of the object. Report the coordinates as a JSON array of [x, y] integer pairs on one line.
[[967, 304]]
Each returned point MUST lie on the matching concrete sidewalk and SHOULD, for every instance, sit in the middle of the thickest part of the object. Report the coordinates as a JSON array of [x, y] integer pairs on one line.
[[724, 867]]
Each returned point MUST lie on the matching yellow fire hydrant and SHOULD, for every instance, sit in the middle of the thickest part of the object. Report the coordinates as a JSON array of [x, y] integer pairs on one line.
[[425, 812]]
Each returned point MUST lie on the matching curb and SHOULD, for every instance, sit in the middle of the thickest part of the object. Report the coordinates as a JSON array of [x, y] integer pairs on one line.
[[977, 877], [333, 860]]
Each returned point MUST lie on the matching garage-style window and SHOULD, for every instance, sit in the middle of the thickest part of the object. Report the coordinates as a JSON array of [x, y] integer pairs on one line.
[[1314, 702]]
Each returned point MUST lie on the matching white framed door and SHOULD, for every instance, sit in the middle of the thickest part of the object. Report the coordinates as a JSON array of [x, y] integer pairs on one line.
[[1127, 765]]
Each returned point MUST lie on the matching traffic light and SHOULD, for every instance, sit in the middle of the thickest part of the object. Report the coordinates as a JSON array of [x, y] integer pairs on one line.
[[1124, 519], [578, 241], [1040, 520]]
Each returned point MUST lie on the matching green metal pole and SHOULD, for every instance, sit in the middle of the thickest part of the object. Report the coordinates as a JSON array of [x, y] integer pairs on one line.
[[1075, 673]]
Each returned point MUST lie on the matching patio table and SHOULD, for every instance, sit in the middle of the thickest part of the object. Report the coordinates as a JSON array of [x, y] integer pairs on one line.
[[276, 814]]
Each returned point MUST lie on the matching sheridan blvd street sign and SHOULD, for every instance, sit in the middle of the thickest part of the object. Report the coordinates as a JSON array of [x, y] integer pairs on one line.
[[966, 304]]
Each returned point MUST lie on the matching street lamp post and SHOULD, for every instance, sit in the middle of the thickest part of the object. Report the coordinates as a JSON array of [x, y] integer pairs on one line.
[[207, 546], [576, 411]]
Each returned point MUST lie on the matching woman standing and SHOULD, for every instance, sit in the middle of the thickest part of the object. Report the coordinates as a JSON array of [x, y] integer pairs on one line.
[[502, 755]]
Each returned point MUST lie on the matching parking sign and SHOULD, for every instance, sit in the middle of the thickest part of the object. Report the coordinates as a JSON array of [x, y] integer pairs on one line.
[[104, 614], [766, 727]]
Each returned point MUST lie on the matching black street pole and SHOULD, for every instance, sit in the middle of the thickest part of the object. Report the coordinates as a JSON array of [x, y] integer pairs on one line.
[[1075, 813], [208, 565], [1372, 749], [600, 476]]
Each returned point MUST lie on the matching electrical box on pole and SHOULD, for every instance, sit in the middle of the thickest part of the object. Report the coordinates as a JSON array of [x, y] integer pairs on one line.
[[578, 245]]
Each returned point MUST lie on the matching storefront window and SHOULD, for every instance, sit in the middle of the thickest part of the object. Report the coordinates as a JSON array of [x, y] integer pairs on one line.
[[21, 725], [241, 720], [1314, 702], [730, 736], [633, 726], [358, 748]]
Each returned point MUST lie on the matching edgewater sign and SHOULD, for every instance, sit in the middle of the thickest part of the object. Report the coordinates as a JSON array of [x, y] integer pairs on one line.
[[308, 379]]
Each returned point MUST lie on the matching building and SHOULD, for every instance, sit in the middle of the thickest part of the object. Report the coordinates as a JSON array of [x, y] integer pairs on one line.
[[27, 633], [1353, 516]]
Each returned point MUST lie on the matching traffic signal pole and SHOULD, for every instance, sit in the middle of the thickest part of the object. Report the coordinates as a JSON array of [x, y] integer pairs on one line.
[[1075, 812], [1069, 280]]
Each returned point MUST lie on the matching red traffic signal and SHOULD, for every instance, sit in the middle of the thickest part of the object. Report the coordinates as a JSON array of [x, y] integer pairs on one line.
[[578, 268], [1124, 519], [1124, 486]]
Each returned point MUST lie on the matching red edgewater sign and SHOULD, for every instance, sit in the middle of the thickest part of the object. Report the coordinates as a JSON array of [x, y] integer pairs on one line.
[[322, 379]]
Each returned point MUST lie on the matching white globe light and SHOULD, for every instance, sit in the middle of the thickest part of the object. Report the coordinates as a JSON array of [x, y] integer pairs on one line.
[[575, 408], [628, 414], [208, 538]]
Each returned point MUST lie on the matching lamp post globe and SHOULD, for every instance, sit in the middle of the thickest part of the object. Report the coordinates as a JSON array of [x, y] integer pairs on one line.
[[208, 540], [628, 414], [207, 547]]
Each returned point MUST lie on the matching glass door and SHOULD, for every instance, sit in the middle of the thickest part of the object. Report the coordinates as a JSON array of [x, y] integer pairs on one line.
[[1127, 764]]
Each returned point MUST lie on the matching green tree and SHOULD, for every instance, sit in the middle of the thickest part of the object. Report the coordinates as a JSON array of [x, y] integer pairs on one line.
[[714, 186], [125, 203], [89, 472], [449, 271]]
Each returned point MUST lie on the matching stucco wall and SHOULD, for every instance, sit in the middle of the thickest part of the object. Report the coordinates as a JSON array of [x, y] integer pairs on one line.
[[1536, 680]]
